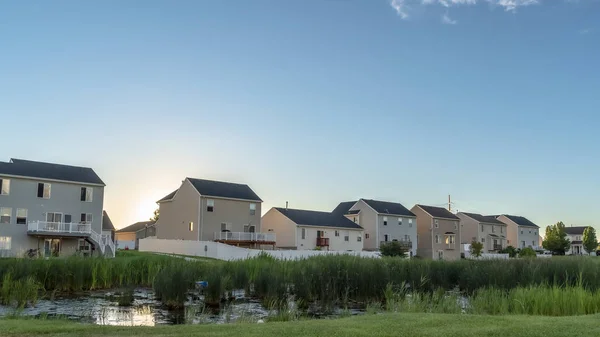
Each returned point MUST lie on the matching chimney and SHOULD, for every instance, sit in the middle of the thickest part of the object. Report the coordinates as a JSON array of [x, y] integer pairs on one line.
[[286, 205]]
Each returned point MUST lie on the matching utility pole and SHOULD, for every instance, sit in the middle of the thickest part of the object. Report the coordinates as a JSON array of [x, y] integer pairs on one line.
[[449, 204]]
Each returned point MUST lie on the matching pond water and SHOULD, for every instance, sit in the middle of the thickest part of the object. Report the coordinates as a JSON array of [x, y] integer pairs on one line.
[[101, 307]]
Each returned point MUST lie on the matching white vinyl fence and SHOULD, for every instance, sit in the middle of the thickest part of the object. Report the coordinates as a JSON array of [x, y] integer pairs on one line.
[[225, 252]]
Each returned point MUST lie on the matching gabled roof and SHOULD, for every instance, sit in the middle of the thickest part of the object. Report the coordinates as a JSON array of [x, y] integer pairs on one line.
[[483, 218], [35, 169], [343, 207], [575, 230], [317, 218], [438, 212], [135, 227], [168, 196], [386, 207], [220, 189], [106, 223], [520, 220]]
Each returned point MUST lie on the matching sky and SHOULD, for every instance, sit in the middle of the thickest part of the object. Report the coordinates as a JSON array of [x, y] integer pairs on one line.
[[494, 102]]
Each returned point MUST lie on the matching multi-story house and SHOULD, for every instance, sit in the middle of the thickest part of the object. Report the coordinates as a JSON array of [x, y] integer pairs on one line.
[[308, 230], [485, 229], [439, 233], [51, 210], [575, 234], [521, 232], [206, 210], [382, 222]]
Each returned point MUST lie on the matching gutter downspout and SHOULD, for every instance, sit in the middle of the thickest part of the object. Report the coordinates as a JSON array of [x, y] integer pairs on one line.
[[200, 216], [432, 247], [377, 231]]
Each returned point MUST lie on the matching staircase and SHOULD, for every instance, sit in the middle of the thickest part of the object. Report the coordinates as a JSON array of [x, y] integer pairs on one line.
[[48, 229]]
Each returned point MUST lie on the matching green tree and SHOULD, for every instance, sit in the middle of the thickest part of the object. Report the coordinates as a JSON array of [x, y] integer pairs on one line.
[[393, 248], [527, 252], [476, 248], [156, 214], [556, 239], [590, 242], [510, 250]]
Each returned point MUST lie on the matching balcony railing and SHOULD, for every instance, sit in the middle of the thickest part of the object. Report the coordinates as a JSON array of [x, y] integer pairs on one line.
[[59, 227], [496, 247], [244, 236], [322, 242], [404, 243]]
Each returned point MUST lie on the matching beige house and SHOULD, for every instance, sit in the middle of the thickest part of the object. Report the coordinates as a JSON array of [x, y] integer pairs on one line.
[[485, 229], [521, 232], [309, 230], [575, 234], [206, 210], [126, 237], [382, 221], [439, 233]]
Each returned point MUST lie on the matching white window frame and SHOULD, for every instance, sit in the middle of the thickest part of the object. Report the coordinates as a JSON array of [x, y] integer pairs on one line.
[[89, 194], [337, 233], [347, 238], [385, 220], [17, 217], [436, 223], [3, 213], [47, 190], [5, 242], [210, 205], [482, 240], [482, 228], [191, 226], [400, 221], [385, 238], [252, 209], [89, 218], [4, 186], [450, 239], [227, 227], [359, 238], [303, 233], [437, 239]]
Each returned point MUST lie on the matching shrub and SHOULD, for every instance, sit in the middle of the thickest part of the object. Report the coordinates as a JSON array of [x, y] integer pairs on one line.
[[527, 252], [476, 248], [510, 250], [393, 248]]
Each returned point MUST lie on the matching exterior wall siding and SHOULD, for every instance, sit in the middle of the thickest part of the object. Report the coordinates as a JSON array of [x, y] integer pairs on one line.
[[176, 215], [64, 198], [282, 226], [235, 213], [336, 243], [471, 230], [531, 235], [427, 229], [367, 219], [398, 228], [424, 248]]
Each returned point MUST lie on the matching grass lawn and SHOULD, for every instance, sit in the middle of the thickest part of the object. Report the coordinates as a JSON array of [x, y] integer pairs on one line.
[[134, 253], [434, 325]]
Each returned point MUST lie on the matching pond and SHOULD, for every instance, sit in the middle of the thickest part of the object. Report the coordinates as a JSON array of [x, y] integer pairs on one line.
[[101, 307]]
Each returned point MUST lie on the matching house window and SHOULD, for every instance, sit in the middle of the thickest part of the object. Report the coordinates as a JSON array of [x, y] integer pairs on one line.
[[225, 227], [400, 221], [522, 244], [191, 226], [530, 232], [437, 239], [5, 242], [354, 219], [406, 237], [21, 216], [210, 205], [5, 214], [86, 194], [385, 220], [440, 254], [450, 239], [252, 209], [359, 238], [482, 228], [366, 235], [521, 231], [337, 233], [83, 245], [410, 221], [86, 218], [68, 218], [532, 243], [303, 233], [346, 238], [54, 217], [437, 224], [44, 190], [482, 240], [5, 186], [385, 238], [535, 233]]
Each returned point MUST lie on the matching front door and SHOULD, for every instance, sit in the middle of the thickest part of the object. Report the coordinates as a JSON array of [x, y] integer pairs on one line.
[[51, 247]]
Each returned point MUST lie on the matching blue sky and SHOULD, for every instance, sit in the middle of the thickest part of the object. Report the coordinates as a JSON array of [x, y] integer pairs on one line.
[[313, 102]]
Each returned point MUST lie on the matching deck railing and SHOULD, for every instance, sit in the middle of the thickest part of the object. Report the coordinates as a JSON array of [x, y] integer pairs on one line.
[[59, 227], [244, 236]]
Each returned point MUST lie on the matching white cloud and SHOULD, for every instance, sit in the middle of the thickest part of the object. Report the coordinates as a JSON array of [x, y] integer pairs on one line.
[[447, 20], [403, 7], [585, 31]]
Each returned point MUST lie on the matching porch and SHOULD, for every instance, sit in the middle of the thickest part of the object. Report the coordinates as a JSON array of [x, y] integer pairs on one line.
[[56, 232], [245, 239]]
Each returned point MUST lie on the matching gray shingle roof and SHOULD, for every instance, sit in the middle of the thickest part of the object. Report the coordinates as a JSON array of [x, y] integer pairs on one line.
[[106, 222], [169, 196], [483, 218], [438, 212], [521, 221], [135, 227], [343, 207], [34, 169], [316, 218], [222, 189], [575, 230], [386, 207]]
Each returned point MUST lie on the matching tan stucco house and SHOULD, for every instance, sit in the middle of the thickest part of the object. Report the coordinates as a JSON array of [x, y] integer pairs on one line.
[[485, 229], [382, 221], [308, 230], [439, 233], [207, 210]]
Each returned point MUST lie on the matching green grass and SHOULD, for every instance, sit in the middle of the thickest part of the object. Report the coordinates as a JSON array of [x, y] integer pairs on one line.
[[414, 325]]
